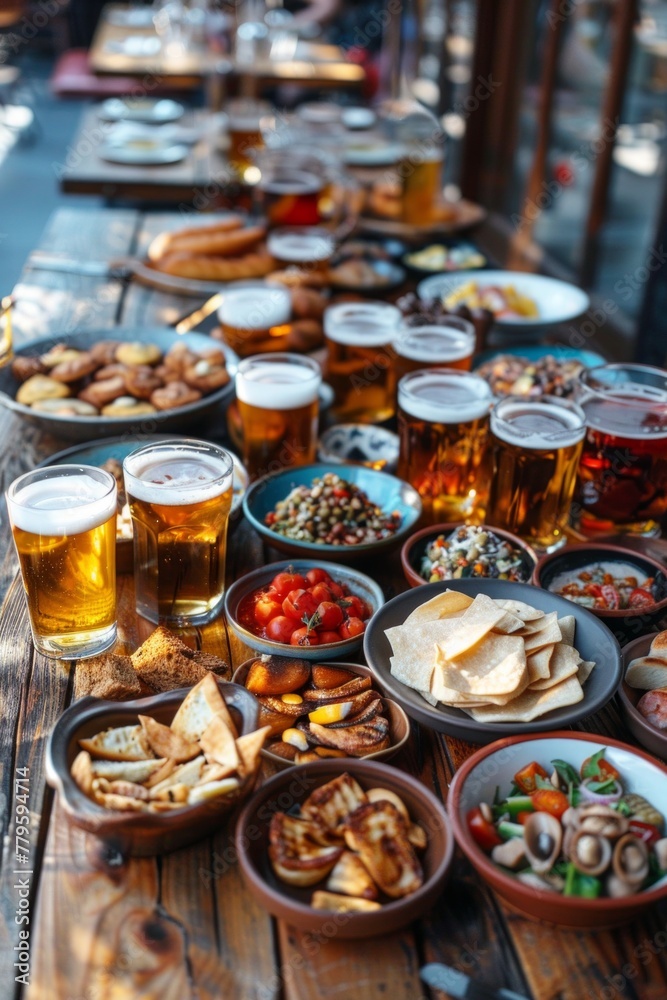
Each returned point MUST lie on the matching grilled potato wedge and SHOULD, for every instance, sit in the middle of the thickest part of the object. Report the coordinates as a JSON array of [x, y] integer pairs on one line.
[[301, 851], [350, 877], [378, 833], [331, 804]]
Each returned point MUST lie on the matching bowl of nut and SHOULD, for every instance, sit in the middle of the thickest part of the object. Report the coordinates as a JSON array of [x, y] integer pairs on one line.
[[322, 710], [155, 774], [352, 844], [127, 380]]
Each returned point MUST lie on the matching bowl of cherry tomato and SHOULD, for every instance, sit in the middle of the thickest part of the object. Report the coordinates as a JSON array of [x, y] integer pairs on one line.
[[315, 610], [625, 588]]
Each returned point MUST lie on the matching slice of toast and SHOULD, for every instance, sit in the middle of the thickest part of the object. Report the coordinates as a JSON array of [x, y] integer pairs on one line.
[[106, 676]]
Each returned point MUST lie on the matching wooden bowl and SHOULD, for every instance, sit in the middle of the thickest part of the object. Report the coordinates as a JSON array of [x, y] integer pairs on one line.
[[399, 724], [415, 547], [654, 739], [139, 834], [290, 788], [495, 765]]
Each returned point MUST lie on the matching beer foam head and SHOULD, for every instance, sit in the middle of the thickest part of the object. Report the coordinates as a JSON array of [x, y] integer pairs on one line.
[[276, 385], [300, 245], [435, 344], [174, 476], [541, 425], [293, 182], [66, 504], [362, 324], [255, 307], [444, 397]]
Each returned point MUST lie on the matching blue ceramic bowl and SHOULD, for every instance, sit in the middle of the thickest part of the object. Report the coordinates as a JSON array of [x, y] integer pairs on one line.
[[388, 492]]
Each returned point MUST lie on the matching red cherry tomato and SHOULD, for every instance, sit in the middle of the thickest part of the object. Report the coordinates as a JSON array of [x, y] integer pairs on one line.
[[280, 629], [299, 603], [322, 592], [352, 627], [328, 636], [482, 832], [329, 614], [314, 576], [550, 801], [640, 598], [304, 637], [282, 583], [354, 607], [266, 609], [336, 590]]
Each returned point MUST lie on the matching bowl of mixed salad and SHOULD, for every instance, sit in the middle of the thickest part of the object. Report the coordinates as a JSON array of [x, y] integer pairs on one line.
[[625, 588], [567, 827], [460, 551]]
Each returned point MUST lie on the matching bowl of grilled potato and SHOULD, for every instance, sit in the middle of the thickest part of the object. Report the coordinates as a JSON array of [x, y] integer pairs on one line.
[[318, 711], [346, 843], [155, 774]]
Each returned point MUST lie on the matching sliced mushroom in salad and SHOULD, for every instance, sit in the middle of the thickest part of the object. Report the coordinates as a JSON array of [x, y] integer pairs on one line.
[[575, 832]]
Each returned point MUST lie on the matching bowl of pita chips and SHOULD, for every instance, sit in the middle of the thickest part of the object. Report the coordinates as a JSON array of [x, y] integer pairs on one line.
[[152, 775], [643, 693], [481, 659]]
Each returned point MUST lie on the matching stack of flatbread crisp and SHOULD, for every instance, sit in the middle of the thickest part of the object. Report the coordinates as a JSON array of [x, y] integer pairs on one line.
[[497, 660]]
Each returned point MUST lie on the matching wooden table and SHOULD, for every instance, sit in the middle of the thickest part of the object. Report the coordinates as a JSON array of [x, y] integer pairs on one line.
[[311, 64], [183, 926], [204, 174]]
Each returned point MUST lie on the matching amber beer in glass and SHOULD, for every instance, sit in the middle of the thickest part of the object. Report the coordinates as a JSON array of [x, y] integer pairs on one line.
[[536, 446], [180, 496], [278, 400], [291, 197], [449, 344], [623, 468], [421, 177], [443, 424], [254, 317], [308, 248], [360, 360], [244, 116], [63, 521]]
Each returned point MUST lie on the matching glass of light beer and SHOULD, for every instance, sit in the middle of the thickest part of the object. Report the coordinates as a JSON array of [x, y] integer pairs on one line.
[[244, 115], [623, 468], [536, 444], [449, 344], [254, 317], [443, 425], [180, 496], [278, 400], [421, 181], [63, 521], [360, 360], [310, 248]]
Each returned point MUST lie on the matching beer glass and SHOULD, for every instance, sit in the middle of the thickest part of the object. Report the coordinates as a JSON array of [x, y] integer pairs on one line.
[[254, 317], [536, 444], [360, 360], [421, 180], [290, 196], [180, 496], [63, 521], [443, 424], [278, 400], [244, 115], [623, 468], [309, 248], [449, 344]]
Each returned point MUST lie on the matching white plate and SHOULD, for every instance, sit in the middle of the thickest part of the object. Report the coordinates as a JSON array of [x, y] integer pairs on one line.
[[143, 153], [155, 111], [556, 300], [373, 154]]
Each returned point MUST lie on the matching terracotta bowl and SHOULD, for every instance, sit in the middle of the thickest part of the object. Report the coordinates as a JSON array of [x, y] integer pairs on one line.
[[494, 766], [290, 788], [357, 583], [139, 834], [415, 547], [655, 740], [627, 624], [399, 724]]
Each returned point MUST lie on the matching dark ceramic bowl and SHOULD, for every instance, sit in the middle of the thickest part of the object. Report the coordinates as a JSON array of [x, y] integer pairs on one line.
[[399, 724], [139, 834], [592, 638], [382, 489], [649, 736], [292, 787], [494, 766], [357, 583], [630, 623], [415, 547], [87, 428]]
